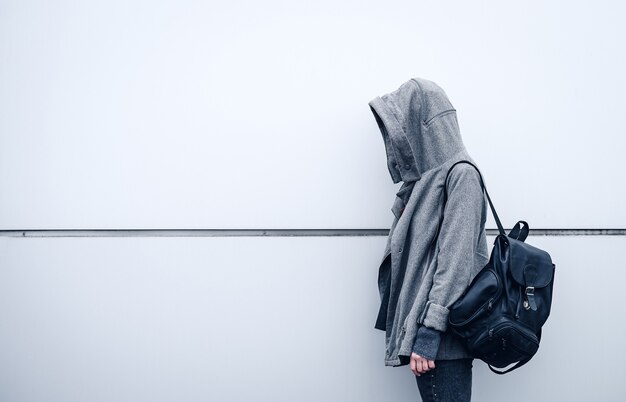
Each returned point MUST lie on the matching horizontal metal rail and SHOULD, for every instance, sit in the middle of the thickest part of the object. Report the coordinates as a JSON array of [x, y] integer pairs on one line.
[[266, 232]]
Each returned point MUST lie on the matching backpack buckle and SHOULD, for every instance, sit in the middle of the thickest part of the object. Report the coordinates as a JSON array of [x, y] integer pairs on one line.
[[530, 303]]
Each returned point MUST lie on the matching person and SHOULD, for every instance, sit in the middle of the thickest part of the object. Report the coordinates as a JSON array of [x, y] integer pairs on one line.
[[433, 250]]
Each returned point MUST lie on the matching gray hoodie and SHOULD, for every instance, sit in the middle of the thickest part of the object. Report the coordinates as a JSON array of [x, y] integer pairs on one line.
[[422, 273]]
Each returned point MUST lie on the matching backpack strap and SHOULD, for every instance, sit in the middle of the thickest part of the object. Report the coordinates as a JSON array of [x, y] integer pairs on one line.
[[519, 364], [482, 184], [518, 232]]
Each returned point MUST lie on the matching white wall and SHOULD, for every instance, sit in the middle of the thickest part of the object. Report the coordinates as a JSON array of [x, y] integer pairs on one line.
[[180, 114], [156, 115], [266, 319]]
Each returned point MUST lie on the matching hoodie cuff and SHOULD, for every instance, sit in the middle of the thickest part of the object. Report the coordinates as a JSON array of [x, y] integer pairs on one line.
[[436, 316], [427, 342]]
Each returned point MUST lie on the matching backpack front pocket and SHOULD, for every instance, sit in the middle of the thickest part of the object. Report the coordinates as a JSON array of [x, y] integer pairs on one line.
[[476, 302], [505, 343]]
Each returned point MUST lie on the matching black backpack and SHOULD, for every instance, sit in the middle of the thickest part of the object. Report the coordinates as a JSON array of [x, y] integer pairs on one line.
[[500, 314]]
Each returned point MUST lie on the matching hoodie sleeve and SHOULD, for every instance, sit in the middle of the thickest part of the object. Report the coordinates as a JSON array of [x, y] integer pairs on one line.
[[460, 230], [427, 342]]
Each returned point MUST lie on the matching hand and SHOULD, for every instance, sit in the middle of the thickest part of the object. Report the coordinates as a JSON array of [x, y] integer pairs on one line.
[[420, 365]]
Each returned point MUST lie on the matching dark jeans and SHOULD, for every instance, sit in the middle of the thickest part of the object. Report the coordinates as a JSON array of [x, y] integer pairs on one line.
[[449, 381]]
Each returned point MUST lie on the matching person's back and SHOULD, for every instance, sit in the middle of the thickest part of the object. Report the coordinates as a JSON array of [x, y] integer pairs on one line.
[[432, 252]]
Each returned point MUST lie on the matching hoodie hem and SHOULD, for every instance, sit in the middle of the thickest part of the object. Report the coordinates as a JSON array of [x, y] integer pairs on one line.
[[394, 362]]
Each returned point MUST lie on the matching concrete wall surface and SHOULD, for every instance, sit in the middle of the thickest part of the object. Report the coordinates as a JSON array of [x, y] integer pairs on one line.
[[137, 136], [267, 319]]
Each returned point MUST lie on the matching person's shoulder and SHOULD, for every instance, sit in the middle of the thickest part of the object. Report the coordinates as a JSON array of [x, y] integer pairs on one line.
[[463, 167], [463, 173]]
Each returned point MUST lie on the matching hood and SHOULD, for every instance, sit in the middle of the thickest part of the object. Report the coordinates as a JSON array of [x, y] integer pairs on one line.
[[419, 128]]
